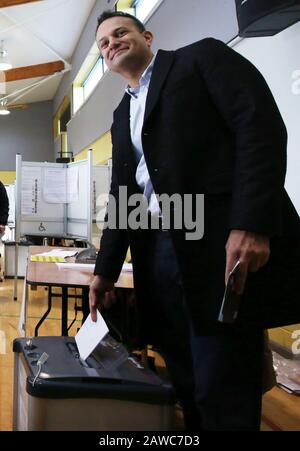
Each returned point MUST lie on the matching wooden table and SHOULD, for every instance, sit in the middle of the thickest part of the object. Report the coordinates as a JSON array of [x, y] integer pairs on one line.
[[50, 275]]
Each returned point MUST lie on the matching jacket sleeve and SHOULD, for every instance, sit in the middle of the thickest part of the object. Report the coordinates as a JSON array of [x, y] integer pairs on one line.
[[114, 241], [4, 205], [246, 103]]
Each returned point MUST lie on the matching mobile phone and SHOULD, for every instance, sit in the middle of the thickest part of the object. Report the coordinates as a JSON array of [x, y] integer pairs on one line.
[[231, 300]]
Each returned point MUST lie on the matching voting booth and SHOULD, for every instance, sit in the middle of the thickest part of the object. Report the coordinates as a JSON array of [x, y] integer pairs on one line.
[[60, 200], [57, 200], [53, 199]]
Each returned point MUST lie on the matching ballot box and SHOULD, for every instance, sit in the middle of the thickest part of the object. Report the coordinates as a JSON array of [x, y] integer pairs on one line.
[[56, 390]]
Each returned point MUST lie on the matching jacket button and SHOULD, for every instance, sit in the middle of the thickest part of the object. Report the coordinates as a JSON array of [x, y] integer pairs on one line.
[[125, 165], [156, 170]]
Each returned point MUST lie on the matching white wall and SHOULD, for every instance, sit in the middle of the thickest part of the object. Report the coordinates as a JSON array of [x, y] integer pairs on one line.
[[180, 22], [28, 132], [277, 58]]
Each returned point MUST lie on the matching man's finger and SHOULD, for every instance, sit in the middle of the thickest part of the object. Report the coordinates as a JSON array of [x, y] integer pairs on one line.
[[93, 305], [230, 262], [259, 262], [240, 278], [254, 265]]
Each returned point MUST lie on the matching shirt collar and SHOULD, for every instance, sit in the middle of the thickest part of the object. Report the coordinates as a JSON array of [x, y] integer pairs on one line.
[[144, 80]]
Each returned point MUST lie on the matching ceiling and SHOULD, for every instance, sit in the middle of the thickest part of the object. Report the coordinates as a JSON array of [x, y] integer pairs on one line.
[[40, 37]]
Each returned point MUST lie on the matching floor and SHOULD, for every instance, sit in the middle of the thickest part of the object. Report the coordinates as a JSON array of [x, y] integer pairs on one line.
[[281, 411]]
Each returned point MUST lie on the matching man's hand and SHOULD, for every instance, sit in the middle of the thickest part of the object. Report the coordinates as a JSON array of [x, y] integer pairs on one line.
[[2, 229], [100, 289], [251, 249]]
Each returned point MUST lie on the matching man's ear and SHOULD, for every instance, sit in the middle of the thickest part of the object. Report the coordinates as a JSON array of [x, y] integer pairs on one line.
[[148, 37]]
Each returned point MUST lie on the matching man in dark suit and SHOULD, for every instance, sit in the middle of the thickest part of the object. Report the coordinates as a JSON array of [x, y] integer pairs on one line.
[[201, 120], [3, 209]]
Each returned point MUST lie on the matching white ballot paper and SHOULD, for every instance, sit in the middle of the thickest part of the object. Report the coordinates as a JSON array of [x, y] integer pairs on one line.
[[90, 335]]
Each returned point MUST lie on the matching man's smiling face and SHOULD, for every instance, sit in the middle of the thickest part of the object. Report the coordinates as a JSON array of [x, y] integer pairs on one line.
[[122, 44]]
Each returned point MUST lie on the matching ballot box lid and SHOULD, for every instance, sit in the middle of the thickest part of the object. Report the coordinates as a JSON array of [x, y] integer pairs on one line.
[[110, 372]]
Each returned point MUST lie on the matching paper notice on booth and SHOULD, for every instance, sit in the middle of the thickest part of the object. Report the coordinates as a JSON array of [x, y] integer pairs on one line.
[[90, 335]]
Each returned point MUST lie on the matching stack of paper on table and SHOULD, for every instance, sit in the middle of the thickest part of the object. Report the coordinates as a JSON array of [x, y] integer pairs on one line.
[[62, 264], [54, 256]]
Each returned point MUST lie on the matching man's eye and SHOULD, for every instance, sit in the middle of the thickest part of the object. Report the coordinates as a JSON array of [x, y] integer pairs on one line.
[[104, 45], [121, 32]]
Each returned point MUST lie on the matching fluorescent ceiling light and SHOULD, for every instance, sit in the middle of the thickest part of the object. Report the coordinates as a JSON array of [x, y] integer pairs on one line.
[[4, 111], [5, 64]]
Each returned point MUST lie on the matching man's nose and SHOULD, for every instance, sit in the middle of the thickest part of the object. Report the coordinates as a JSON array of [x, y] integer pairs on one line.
[[113, 43]]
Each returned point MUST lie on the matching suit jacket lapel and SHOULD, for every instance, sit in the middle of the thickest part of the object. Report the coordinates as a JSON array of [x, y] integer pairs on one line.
[[122, 114], [162, 65], [122, 123]]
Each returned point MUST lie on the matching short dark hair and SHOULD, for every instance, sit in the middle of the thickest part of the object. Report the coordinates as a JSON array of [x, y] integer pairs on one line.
[[109, 14]]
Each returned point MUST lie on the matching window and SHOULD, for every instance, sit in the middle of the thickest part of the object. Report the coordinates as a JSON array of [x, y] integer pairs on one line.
[[91, 72], [93, 78], [127, 6], [143, 8]]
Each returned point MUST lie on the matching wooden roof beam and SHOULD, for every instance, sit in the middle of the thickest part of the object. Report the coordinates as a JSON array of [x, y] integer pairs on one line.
[[38, 70], [7, 3]]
